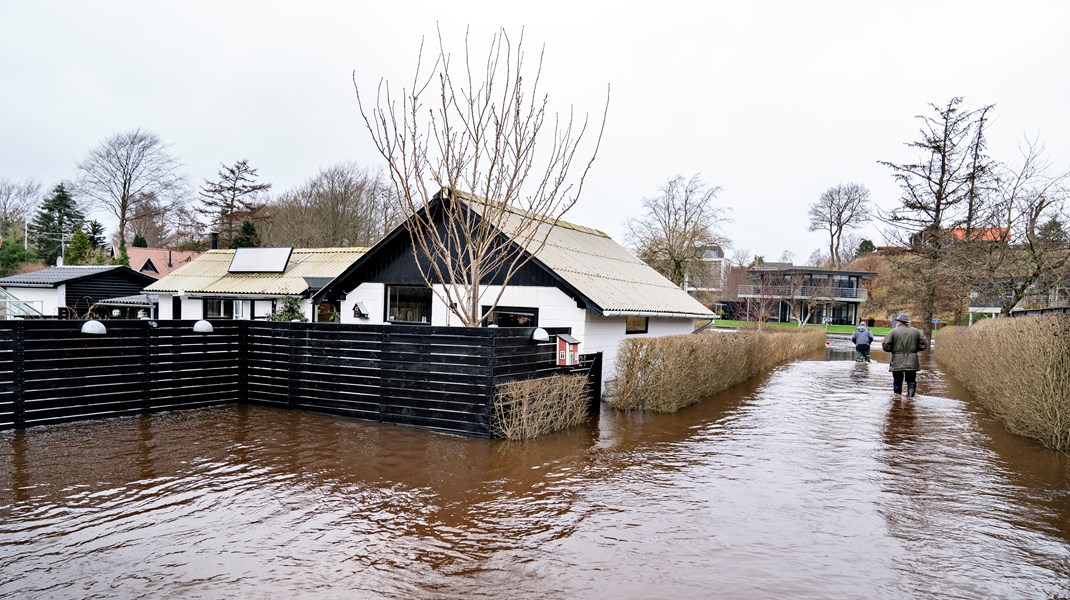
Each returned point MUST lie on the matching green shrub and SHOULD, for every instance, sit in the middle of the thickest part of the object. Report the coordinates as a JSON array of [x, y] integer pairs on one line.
[[532, 407], [666, 374], [1019, 369]]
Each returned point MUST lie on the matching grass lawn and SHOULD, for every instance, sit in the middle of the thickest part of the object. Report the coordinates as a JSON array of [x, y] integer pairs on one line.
[[831, 328]]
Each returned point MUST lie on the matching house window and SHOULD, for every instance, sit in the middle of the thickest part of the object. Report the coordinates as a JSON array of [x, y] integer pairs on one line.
[[511, 316], [218, 309], [408, 304], [636, 325]]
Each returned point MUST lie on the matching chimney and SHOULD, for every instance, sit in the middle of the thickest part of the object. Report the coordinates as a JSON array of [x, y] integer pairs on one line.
[[169, 264], [215, 240]]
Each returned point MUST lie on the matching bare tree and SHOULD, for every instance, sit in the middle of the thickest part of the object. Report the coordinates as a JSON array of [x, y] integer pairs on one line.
[[839, 208], [233, 199], [676, 227], [126, 168], [741, 257], [343, 205], [1024, 249], [941, 192], [495, 162], [150, 221], [17, 199]]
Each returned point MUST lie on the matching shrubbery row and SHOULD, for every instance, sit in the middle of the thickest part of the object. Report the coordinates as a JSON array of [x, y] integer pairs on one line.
[[668, 373], [1017, 368]]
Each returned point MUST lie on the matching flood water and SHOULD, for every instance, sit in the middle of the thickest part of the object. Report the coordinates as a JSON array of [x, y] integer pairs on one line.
[[809, 482]]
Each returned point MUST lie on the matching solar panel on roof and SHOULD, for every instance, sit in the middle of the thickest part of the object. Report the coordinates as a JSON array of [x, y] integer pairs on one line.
[[260, 260]]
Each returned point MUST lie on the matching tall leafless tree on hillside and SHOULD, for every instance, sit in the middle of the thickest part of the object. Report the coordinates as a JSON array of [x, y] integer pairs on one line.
[[839, 209], [676, 227], [942, 191], [128, 167], [478, 136]]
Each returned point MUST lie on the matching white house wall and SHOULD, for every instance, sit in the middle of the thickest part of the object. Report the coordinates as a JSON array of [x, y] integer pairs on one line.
[[605, 334], [46, 300]]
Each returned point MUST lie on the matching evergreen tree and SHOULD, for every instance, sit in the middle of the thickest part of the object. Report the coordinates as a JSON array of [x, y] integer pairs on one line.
[[232, 200], [247, 237], [12, 256], [865, 248], [54, 224], [95, 230], [290, 311], [80, 250], [139, 241]]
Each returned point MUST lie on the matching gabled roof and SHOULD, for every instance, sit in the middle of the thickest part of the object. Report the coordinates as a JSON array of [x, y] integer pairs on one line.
[[609, 279], [159, 262], [209, 275], [55, 276]]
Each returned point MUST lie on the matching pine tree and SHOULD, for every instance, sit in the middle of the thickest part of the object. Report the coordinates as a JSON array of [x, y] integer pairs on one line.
[[139, 241], [95, 230], [12, 256], [247, 237], [80, 250], [55, 223], [232, 200]]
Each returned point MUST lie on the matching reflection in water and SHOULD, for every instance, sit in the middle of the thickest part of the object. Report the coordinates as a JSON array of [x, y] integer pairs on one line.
[[812, 482]]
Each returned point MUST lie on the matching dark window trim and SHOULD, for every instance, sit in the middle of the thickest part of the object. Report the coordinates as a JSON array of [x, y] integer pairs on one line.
[[630, 331]]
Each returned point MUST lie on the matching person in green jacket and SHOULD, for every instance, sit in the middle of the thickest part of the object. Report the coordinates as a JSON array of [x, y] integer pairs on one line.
[[903, 343]]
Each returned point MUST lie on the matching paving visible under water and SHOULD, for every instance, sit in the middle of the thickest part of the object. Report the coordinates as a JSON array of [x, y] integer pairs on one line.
[[810, 482]]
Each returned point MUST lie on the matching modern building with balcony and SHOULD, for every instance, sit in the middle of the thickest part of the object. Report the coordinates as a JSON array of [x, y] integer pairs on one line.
[[782, 292]]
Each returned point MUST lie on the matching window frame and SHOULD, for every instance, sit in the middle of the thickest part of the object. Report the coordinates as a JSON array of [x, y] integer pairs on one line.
[[226, 308], [630, 330], [387, 304], [530, 311]]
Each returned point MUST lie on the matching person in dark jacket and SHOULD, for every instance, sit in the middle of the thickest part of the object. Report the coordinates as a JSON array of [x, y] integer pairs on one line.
[[903, 343], [862, 338]]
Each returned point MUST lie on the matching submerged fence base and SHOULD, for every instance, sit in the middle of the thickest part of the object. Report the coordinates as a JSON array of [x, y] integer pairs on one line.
[[440, 378]]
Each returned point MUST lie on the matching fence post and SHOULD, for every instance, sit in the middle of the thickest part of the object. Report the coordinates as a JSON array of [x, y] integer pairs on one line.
[[18, 376], [146, 375]]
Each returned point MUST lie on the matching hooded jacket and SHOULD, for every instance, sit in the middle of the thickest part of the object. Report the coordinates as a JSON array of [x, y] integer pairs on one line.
[[862, 336]]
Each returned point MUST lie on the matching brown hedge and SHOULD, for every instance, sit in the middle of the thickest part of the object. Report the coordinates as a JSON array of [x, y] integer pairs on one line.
[[668, 373], [532, 407], [1019, 369]]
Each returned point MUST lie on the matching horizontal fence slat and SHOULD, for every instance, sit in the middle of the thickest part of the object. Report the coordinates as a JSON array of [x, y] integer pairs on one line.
[[438, 378]]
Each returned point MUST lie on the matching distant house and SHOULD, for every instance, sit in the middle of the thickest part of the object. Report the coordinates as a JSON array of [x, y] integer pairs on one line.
[[69, 291], [250, 283], [580, 282], [159, 262], [708, 279], [785, 289]]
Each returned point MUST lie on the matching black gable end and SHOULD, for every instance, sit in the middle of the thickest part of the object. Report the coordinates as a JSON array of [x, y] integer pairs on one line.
[[83, 293]]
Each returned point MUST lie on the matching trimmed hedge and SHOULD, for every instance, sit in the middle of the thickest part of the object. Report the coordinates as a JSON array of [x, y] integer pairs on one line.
[[666, 374], [1019, 369]]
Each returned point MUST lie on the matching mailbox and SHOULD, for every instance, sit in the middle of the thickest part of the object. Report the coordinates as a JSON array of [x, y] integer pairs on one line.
[[568, 350]]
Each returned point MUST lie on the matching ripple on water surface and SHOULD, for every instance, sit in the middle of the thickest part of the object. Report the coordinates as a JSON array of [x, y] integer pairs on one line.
[[810, 482]]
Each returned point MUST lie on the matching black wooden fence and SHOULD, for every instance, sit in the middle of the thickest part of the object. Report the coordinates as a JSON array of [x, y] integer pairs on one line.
[[439, 378]]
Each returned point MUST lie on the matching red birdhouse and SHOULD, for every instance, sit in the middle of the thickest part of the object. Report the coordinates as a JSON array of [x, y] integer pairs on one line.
[[568, 350]]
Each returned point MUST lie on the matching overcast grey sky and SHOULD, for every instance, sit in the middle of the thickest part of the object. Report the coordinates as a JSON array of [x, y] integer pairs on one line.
[[773, 101]]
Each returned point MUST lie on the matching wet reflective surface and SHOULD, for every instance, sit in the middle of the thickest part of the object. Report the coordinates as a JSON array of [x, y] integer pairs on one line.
[[809, 482]]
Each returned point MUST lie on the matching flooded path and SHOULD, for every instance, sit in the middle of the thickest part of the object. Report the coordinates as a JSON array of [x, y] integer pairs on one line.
[[810, 482]]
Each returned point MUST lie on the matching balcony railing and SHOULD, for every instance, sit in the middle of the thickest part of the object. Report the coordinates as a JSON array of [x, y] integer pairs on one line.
[[783, 292]]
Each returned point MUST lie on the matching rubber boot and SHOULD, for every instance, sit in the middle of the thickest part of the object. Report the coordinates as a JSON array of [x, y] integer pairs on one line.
[[911, 388]]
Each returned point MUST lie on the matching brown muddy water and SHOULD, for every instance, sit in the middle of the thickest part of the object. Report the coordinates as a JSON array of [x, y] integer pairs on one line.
[[809, 482]]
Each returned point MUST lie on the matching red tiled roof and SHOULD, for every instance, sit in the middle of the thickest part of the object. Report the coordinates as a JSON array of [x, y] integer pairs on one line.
[[158, 262], [980, 234]]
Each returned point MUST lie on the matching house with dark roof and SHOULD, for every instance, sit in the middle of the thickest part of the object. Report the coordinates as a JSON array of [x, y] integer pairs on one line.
[[71, 291], [580, 282], [250, 283]]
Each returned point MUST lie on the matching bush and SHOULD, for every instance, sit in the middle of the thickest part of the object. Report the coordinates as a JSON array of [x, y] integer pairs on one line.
[[532, 407], [668, 373], [1019, 369]]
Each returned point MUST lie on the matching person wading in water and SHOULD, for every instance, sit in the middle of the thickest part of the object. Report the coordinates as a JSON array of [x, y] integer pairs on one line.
[[904, 342]]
